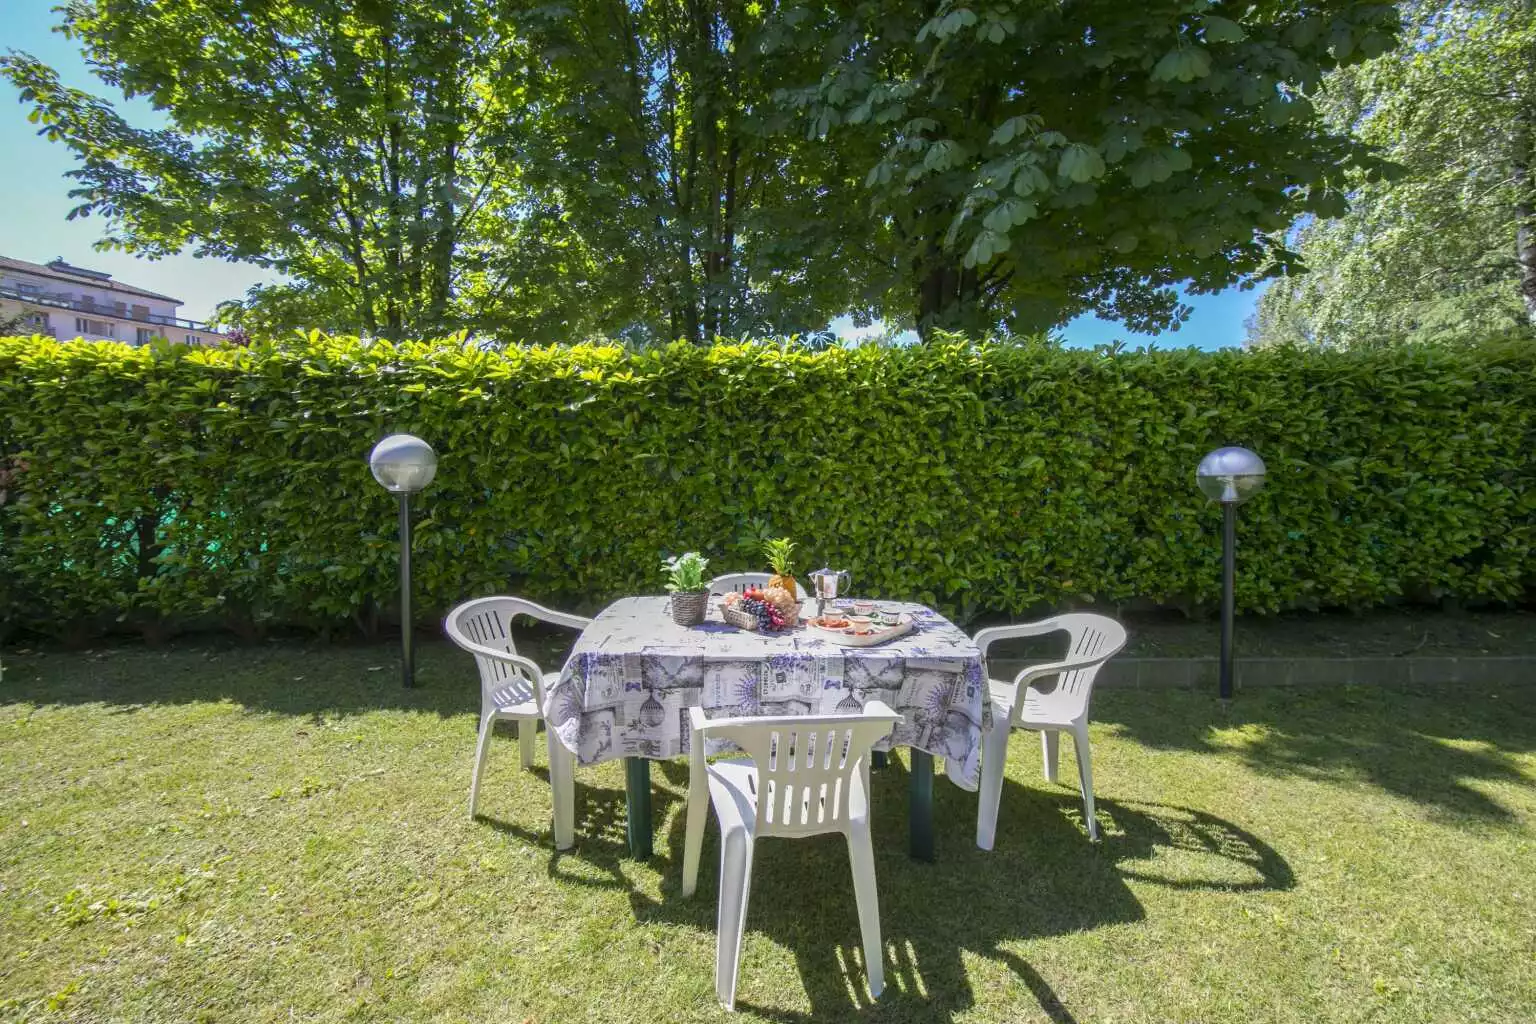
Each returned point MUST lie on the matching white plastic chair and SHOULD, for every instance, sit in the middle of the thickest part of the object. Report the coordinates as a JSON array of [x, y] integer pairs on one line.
[[1022, 704], [814, 772], [512, 689], [736, 582]]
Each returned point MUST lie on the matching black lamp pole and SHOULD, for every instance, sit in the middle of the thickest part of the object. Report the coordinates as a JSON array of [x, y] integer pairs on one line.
[[407, 651], [404, 465], [1229, 476], [1228, 584]]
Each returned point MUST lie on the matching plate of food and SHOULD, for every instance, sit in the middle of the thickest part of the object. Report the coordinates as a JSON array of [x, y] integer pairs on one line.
[[849, 630]]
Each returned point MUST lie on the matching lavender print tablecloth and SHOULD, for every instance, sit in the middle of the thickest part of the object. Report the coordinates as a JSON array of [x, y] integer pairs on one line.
[[633, 675]]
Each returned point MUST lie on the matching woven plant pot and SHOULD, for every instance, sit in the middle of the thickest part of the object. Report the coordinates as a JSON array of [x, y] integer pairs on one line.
[[688, 608]]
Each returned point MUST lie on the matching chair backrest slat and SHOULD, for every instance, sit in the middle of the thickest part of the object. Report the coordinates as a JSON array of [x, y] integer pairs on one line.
[[806, 765], [487, 623], [1092, 640], [736, 582]]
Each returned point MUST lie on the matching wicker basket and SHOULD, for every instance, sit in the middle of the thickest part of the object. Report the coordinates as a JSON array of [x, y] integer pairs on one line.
[[738, 618], [688, 608]]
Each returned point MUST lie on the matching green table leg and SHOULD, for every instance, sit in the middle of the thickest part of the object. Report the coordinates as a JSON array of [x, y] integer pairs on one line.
[[637, 792], [879, 759], [920, 806]]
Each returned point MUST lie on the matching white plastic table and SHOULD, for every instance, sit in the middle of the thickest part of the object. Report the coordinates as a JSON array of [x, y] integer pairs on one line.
[[626, 689]]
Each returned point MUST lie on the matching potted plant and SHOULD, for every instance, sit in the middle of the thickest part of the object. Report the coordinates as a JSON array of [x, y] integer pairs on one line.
[[777, 552], [689, 589]]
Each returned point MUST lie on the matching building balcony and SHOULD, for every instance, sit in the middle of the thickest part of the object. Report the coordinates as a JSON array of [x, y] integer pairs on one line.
[[97, 309]]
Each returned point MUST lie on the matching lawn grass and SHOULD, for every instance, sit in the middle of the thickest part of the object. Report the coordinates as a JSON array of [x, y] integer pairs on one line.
[[1378, 633], [279, 833]]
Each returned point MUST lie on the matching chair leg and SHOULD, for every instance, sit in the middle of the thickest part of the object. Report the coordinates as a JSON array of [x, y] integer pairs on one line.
[[562, 784], [1050, 747], [482, 750], [698, 817], [861, 856], [735, 888], [994, 758], [527, 731], [1085, 778]]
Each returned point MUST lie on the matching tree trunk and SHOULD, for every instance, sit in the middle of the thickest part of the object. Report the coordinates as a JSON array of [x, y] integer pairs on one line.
[[1525, 249], [1525, 202], [445, 213], [949, 295], [728, 233], [394, 238]]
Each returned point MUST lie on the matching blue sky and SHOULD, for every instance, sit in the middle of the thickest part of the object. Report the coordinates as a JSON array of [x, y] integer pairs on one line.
[[33, 224], [1217, 322]]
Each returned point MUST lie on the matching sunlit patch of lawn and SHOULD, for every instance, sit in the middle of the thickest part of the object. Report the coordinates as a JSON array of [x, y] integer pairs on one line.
[[280, 833]]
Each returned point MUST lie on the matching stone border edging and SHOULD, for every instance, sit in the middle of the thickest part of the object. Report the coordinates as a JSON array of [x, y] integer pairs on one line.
[[1201, 673]]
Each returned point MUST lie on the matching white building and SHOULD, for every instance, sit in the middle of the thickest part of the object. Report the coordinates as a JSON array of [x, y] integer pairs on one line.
[[71, 302]]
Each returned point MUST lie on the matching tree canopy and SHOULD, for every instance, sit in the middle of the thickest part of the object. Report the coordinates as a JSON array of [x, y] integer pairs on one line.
[[355, 147], [654, 124], [1446, 248], [652, 169], [1039, 160]]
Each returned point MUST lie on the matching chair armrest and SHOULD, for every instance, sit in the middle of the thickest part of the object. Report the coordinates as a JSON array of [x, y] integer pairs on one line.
[[1051, 668], [987, 637], [526, 665], [565, 619]]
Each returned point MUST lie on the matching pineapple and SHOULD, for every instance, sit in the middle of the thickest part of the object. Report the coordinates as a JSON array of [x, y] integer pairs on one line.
[[777, 552]]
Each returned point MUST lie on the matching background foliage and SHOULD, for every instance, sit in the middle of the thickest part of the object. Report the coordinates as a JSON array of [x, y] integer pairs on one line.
[[654, 169], [164, 485], [1446, 247], [1036, 161]]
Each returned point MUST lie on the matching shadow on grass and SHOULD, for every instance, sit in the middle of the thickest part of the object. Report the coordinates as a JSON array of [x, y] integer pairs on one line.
[[1427, 745], [1043, 878], [280, 678]]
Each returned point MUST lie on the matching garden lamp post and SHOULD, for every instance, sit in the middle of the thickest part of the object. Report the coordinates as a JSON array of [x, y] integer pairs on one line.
[[404, 465], [1230, 476]]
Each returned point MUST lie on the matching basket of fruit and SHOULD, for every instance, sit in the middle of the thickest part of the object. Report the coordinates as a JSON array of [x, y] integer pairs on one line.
[[763, 610]]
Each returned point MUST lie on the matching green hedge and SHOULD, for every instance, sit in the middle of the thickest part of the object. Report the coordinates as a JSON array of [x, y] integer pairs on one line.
[[169, 485]]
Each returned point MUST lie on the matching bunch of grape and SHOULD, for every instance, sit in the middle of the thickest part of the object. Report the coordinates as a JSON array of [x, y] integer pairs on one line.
[[767, 616]]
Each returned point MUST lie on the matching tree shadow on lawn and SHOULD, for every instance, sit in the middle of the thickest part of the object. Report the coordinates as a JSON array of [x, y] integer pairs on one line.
[[1042, 879], [1423, 744]]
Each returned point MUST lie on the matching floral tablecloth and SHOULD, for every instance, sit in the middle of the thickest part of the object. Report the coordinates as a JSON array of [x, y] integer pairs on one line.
[[626, 689]]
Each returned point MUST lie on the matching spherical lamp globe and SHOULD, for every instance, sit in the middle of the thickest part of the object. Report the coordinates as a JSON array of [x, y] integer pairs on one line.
[[402, 463], [1230, 475]]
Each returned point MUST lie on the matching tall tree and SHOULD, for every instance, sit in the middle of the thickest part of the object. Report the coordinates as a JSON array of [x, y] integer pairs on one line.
[[417, 167], [353, 146], [1447, 247], [1042, 159], [651, 123]]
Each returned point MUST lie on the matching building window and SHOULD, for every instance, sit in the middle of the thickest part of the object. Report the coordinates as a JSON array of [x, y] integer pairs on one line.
[[191, 339], [88, 326], [145, 335], [36, 321]]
